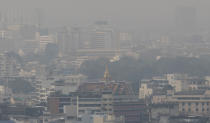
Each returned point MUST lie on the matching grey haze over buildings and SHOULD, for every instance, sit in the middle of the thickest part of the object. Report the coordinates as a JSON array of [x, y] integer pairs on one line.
[[129, 14], [105, 61]]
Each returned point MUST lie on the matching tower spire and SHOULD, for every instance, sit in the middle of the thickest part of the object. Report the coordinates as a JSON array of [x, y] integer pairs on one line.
[[107, 76]]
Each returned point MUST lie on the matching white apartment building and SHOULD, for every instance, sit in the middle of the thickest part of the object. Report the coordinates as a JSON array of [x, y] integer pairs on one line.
[[144, 91]]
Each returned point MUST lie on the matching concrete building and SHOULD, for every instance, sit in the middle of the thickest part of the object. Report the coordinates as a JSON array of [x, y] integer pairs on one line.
[[125, 40], [161, 113], [94, 97], [157, 85], [7, 40], [84, 102], [183, 82], [132, 111], [44, 39], [107, 102], [196, 102], [174, 82], [188, 119], [8, 66], [107, 119], [69, 83], [158, 98], [144, 91], [95, 118], [102, 36], [43, 90], [80, 38], [63, 41], [30, 46]]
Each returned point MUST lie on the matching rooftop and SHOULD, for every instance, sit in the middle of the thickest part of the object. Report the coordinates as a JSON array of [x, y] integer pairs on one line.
[[117, 88], [194, 92]]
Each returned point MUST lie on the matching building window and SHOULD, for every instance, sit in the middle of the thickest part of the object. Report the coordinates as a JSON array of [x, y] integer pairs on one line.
[[197, 109], [207, 103], [189, 104], [207, 109], [183, 109], [183, 103], [203, 110], [203, 103], [196, 104], [189, 109]]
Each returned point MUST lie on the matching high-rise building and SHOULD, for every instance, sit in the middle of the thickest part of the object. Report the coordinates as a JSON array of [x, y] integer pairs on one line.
[[44, 38], [63, 41], [76, 38], [7, 42], [8, 66], [102, 36], [125, 40]]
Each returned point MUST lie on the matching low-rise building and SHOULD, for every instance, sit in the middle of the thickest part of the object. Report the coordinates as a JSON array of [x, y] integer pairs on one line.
[[68, 84], [155, 86], [144, 91], [132, 111], [196, 102], [162, 112]]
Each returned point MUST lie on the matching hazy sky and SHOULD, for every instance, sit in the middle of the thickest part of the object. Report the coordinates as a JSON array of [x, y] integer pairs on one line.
[[131, 14]]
